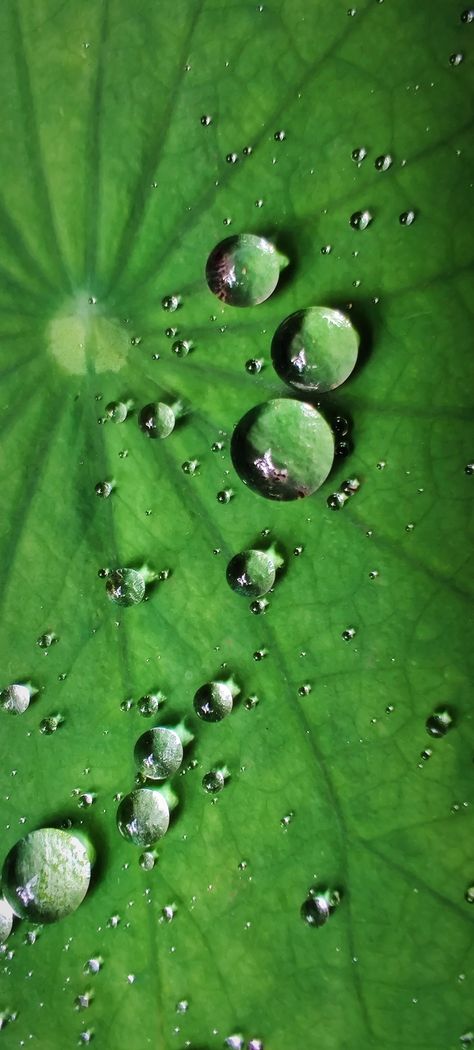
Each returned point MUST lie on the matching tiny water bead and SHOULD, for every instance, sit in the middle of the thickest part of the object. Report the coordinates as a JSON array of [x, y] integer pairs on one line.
[[214, 781], [469, 469], [456, 58], [213, 701], [383, 162], [157, 420], [47, 639], [125, 586], [206, 120], [224, 496], [6, 920], [170, 303], [118, 411], [360, 220], [143, 816], [46, 875], [406, 218], [259, 606], [283, 449], [158, 753], [50, 724], [148, 860], [439, 723], [104, 489], [148, 705], [181, 347], [319, 906], [468, 15], [315, 349], [349, 634], [253, 366], [359, 154], [337, 500], [252, 573], [190, 466], [468, 896], [243, 270], [16, 698]]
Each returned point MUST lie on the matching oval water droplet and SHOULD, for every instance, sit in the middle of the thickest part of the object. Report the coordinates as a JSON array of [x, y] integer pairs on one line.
[[148, 860], [213, 701], [16, 698], [283, 449], [251, 573], [439, 723], [143, 816], [50, 724], [47, 639], [253, 366], [359, 154], [157, 420], [469, 895], [6, 921], [125, 586], [315, 349], [360, 220], [383, 162], [46, 875], [171, 303], [103, 489], [456, 58], [158, 753], [319, 906], [468, 15], [214, 781], [406, 218], [181, 347], [148, 705], [243, 270], [117, 410]]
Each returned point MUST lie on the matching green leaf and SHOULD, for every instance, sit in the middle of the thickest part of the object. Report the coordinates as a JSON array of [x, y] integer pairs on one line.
[[113, 194]]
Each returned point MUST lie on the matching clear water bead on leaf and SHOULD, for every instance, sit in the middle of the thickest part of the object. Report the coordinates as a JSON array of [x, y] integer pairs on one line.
[[148, 705], [148, 860], [359, 154], [251, 573], [118, 410], [125, 586], [16, 698], [46, 875], [319, 906], [244, 270], [283, 449], [315, 349], [103, 489], [406, 218], [384, 162], [360, 220], [143, 816], [439, 722], [213, 701], [171, 303], [158, 753], [6, 920], [157, 420], [468, 15], [214, 781]]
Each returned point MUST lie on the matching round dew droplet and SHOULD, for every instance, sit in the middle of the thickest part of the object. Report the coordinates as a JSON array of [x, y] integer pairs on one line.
[[243, 270], [149, 705], [439, 723], [158, 753], [384, 162], [360, 220], [206, 120], [253, 366], [147, 860], [143, 816], [6, 920], [157, 420], [15, 699], [456, 58], [213, 781], [283, 449], [315, 910], [406, 218], [315, 349], [251, 573], [468, 896], [125, 586], [103, 489], [359, 154], [117, 411], [213, 701], [171, 303], [46, 875], [468, 15], [181, 347]]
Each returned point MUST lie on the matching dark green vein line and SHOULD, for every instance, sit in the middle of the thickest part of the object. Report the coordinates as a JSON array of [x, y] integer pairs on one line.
[[20, 248], [94, 153], [140, 197], [33, 145]]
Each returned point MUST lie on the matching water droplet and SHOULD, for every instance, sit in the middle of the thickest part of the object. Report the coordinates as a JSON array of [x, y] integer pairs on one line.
[[251, 573], [181, 347], [348, 634], [157, 420], [148, 705], [232, 158], [47, 639], [171, 332], [283, 449], [46, 875], [158, 753], [259, 203], [315, 349], [297, 551], [319, 906], [439, 722], [126, 705], [259, 606], [182, 1007], [83, 1001], [253, 366], [103, 489], [456, 58], [148, 860], [469, 469], [224, 496], [16, 698], [251, 702], [123, 454], [426, 754], [169, 912], [49, 725], [406, 218], [6, 920], [86, 1036], [468, 15], [190, 466], [410, 526], [143, 816], [359, 154], [214, 781], [117, 411], [360, 220], [373, 574], [468, 896], [287, 819], [213, 701], [171, 303], [86, 799], [255, 1044], [243, 270], [94, 964], [304, 690], [279, 136], [114, 921], [234, 1042], [383, 162], [350, 486], [217, 446], [343, 448], [326, 249], [337, 500], [206, 120], [260, 654], [125, 586]]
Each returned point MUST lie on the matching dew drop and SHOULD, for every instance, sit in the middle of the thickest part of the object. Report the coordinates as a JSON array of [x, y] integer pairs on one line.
[[125, 586], [94, 965], [251, 573], [206, 120], [326, 249], [319, 906], [181, 347], [157, 420], [251, 702], [468, 896], [190, 466], [243, 270], [46, 875], [158, 753], [359, 154], [214, 781], [50, 724], [126, 705], [304, 690], [255, 1044], [279, 136], [253, 366], [47, 639], [383, 162], [283, 449], [16, 698], [6, 920], [117, 411], [143, 816], [406, 218], [439, 723], [360, 220], [468, 15], [224, 496], [232, 158], [260, 654], [315, 349], [337, 500], [260, 605], [469, 469], [103, 489], [213, 701], [456, 58], [148, 860], [148, 705], [182, 1007], [287, 819], [171, 303], [348, 634]]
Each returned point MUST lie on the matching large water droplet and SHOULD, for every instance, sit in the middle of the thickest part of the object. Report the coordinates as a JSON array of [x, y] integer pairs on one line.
[[46, 875], [143, 816], [283, 449], [213, 701], [158, 753], [16, 698], [125, 586], [315, 349], [251, 573], [6, 920], [244, 270], [157, 420]]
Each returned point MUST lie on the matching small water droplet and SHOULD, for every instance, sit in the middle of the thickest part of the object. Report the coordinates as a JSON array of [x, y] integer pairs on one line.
[[251, 573], [47, 639], [468, 15], [326, 249], [456, 58], [113, 922], [279, 136], [259, 203], [359, 154], [243, 270], [469, 469], [213, 701], [406, 218], [251, 702], [83, 1001], [469, 895], [337, 500], [234, 1042], [126, 705], [410, 526], [206, 120], [103, 489], [384, 162], [232, 158], [360, 220], [49, 725], [158, 753], [148, 705], [348, 634], [94, 965], [260, 605], [168, 912], [287, 819], [315, 349], [304, 690], [125, 587], [148, 860], [157, 420], [6, 921], [260, 654], [253, 366], [190, 466], [214, 781], [181, 347], [182, 1007], [171, 303], [143, 816], [426, 754], [373, 574], [255, 1044], [439, 722], [224, 496]]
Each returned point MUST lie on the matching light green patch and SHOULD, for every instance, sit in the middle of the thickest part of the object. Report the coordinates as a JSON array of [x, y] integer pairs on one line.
[[81, 339]]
